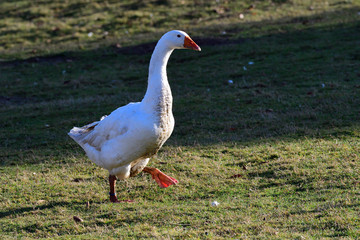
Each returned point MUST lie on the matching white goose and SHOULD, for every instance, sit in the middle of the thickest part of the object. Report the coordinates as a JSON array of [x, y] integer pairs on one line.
[[124, 141]]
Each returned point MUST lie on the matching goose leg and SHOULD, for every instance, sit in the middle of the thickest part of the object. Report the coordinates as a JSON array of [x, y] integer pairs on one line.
[[162, 179], [113, 198], [112, 182]]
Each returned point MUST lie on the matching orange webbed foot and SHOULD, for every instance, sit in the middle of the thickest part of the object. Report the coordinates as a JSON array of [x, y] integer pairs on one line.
[[161, 178]]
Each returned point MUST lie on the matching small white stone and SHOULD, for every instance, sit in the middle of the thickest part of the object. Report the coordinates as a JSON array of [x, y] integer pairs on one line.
[[214, 203], [241, 16], [90, 34]]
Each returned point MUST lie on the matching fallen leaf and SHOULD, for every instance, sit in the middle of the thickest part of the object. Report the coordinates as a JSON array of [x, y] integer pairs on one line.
[[77, 219], [41, 202], [220, 10], [78, 180], [236, 176], [251, 7]]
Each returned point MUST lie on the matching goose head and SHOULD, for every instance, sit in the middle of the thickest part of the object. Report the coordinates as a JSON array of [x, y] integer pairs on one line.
[[177, 39]]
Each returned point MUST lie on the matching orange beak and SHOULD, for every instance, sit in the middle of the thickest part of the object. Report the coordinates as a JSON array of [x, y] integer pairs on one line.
[[190, 44]]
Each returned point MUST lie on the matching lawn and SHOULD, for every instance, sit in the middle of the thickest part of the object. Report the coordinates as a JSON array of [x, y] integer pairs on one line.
[[277, 146]]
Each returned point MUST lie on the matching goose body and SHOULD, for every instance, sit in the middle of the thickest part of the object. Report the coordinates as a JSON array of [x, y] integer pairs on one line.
[[124, 141]]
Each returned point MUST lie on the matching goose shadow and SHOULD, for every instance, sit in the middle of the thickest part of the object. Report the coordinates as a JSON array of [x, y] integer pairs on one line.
[[22, 210]]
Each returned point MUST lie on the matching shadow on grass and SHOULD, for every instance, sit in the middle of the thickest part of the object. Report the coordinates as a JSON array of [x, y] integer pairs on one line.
[[337, 229], [280, 98], [74, 204]]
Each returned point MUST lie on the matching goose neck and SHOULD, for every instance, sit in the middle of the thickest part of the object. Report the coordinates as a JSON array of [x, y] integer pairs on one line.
[[158, 89]]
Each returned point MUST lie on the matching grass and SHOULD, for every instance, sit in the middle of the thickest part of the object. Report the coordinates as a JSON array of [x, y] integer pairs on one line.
[[278, 148]]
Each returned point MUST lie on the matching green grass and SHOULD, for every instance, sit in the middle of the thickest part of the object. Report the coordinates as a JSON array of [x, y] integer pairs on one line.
[[288, 128]]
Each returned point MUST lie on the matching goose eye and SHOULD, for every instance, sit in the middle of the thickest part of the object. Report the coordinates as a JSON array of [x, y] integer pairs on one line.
[[178, 35]]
